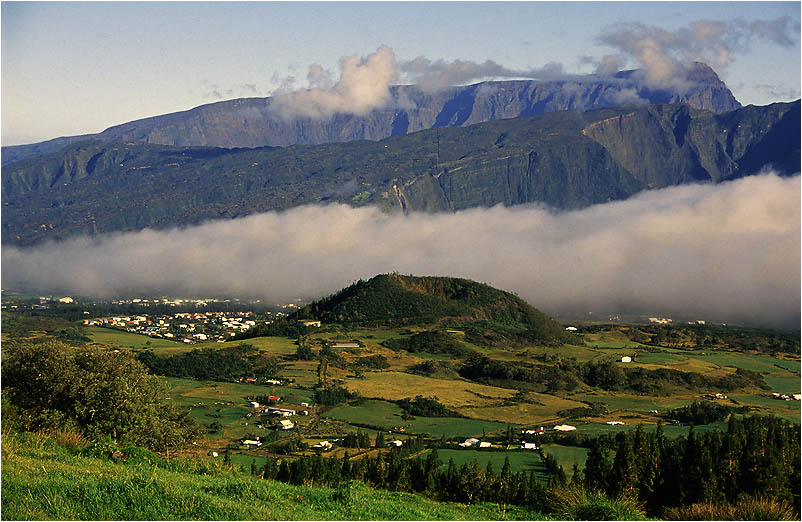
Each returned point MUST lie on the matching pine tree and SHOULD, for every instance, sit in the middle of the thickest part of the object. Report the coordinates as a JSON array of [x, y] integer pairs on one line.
[[380, 443], [227, 459], [623, 475]]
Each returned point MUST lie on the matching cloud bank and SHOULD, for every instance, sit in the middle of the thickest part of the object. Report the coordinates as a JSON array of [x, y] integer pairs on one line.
[[664, 57], [726, 252], [663, 54], [364, 85]]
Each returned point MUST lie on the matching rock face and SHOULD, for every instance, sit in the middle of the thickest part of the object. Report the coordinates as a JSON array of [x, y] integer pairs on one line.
[[566, 159], [253, 122]]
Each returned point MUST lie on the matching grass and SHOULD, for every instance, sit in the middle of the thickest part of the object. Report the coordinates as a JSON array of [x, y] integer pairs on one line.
[[784, 383], [519, 460], [737, 360], [567, 456], [388, 415], [543, 409], [44, 481], [132, 340], [454, 393], [670, 430]]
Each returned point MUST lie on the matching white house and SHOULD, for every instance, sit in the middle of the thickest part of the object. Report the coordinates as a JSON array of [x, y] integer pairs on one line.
[[626, 359], [324, 445], [345, 345], [529, 445], [469, 442], [397, 443], [572, 328], [285, 424], [615, 423], [484, 445], [564, 427], [253, 404], [251, 443]]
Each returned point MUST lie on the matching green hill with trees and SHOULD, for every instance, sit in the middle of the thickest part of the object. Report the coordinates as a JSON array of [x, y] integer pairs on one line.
[[485, 313]]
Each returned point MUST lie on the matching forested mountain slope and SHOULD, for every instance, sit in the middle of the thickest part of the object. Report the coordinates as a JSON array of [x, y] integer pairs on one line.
[[565, 159]]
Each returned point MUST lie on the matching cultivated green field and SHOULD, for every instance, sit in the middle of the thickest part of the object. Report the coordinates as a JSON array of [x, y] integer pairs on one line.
[[567, 456], [388, 415], [519, 460], [132, 340]]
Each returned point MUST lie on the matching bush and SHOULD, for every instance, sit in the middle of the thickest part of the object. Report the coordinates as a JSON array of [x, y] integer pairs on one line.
[[577, 503], [744, 509], [94, 391]]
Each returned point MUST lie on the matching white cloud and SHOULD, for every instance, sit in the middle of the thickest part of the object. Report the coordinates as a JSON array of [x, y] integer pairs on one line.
[[729, 252]]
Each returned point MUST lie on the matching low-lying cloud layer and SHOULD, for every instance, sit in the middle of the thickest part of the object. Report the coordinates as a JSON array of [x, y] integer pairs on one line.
[[728, 252]]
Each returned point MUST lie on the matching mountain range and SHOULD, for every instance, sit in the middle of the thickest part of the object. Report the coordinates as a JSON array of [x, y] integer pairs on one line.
[[260, 122], [566, 159]]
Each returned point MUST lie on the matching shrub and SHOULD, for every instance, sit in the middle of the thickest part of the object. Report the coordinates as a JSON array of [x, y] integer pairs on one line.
[[94, 391], [578, 503], [747, 508]]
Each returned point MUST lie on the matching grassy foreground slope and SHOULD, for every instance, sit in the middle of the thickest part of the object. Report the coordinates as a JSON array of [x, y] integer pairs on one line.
[[45, 480]]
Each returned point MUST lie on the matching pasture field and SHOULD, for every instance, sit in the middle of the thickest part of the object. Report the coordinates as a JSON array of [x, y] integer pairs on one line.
[[580, 353], [519, 460], [454, 427], [371, 412], [132, 340], [567, 456], [784, 383], [659, 358], [225, 403], [544, 409], [454, 393], [670, 430], [275, 345], [637, 403], [768, 403], [738, 360], [388, 415]]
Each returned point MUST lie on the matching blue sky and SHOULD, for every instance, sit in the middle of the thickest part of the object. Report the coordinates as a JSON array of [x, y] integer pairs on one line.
[[73, 68]]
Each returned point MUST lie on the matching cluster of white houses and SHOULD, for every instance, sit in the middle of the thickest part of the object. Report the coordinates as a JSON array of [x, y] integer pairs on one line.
[[787, 396], [190, 327]]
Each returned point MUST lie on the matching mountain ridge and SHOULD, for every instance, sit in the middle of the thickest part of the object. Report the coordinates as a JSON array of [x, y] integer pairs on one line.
[[254, 122], [567, 160]]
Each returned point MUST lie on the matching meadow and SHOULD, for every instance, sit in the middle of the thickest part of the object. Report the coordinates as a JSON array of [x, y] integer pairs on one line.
[[44, 480], [486, 409]]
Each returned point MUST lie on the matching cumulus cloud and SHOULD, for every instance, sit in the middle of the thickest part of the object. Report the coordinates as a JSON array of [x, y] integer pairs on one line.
[[726, 252], [364, 85], [437, 74], [663, 54]]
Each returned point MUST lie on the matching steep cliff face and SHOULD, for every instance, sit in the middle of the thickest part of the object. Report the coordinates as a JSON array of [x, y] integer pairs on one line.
[[565, 159], [253, 122]]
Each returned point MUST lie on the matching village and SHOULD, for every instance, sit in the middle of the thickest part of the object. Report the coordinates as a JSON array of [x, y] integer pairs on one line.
[[188, 327]]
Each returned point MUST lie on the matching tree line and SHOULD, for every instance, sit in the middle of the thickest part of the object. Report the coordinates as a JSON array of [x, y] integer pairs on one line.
[[567, 375], [757, 457], [468, 483]]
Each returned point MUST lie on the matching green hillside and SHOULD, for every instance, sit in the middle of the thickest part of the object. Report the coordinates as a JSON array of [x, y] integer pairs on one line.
[[403, 300], [45, 479]]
